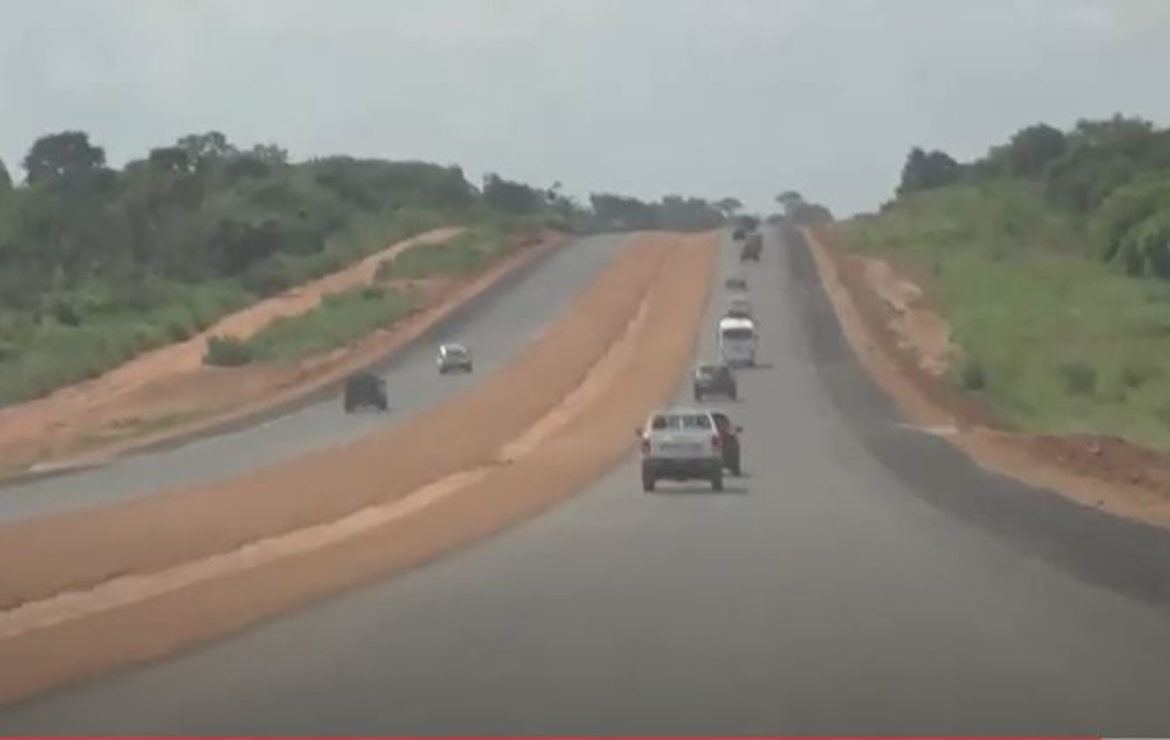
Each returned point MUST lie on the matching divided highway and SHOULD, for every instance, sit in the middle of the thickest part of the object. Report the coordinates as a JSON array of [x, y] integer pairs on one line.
[[862, 578], [496, 327]]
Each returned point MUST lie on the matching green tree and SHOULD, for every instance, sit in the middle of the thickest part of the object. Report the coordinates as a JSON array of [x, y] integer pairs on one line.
[[789, 198], [5, 178], [61, 156], [1031, 149], [207, 146], [729, 206], [926, 170], [509, 196], [172, 159]]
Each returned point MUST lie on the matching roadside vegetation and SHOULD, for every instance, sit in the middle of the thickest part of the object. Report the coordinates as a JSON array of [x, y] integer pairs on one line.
[[99, 263], [466, 254], [340, 319], [1050, 257]]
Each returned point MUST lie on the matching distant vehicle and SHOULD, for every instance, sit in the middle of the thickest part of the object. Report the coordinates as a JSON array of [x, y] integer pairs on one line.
[[739, 233], [681, 443], [453, 356], [730, 437], [737, 341], [752, 246], [738, 308], [715, 379], [736, 283], [364, 390]]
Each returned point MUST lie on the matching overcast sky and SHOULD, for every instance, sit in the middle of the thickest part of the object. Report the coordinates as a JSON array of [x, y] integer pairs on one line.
[[647, 97]]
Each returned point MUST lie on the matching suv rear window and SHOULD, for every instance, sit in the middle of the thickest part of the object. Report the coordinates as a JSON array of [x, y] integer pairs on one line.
[[681, 421]]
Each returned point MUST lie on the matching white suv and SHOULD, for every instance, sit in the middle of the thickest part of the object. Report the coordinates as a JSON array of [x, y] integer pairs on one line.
[[681, 443]]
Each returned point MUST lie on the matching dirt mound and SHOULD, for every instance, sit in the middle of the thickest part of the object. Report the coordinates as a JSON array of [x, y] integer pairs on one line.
[[872, 305], [615, 355]]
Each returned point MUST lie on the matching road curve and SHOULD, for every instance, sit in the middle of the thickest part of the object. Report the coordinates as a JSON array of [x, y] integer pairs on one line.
[[864, 578], [500, 324]]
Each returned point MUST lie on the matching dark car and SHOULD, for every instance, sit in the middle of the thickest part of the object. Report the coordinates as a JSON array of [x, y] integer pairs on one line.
[[717, 380], [729, 436], [736, 283], [365, 390], [738, 233], [751, 248]]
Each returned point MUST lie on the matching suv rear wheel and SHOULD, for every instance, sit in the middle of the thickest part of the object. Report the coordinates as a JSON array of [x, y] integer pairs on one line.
[[717, 480], [648, 482]]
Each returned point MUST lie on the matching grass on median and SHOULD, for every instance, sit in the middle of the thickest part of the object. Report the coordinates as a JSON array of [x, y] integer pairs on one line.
[[1054, 340], [464, 255], [341, 318], [347, 316]]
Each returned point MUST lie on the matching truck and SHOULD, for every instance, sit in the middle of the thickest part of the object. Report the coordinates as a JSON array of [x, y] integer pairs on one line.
[[737, 339]]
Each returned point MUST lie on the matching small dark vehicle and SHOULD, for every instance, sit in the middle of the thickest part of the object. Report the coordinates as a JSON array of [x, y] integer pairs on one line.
[[715, 379], [736, 283], [364, 390], [730, 437], [751, 248], [739, 233]]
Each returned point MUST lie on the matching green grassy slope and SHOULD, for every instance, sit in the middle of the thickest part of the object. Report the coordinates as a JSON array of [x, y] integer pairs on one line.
[[1054, 339]]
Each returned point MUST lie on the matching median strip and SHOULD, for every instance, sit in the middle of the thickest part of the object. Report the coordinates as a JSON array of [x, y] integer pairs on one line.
[[127, 590], [637, 369]]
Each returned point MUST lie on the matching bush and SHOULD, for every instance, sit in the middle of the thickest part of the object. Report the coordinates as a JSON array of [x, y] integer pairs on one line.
[[339, 319], [1135, 376], [227, 352], [1079, 378], [972, 377], [267, 277]]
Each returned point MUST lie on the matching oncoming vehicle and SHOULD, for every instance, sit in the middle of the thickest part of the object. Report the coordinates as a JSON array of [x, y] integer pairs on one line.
[[730, 437], [738, 308], [715, 379], [453, 356], [681, 443], [737, 341], [736, 283], [364, 390]]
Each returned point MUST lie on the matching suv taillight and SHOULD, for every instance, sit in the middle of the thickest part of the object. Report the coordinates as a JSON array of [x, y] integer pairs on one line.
[[645, 446], [716, 441]]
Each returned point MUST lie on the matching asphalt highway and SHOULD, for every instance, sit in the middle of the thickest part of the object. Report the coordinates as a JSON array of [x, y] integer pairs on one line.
[[862, 578], [495, 326]]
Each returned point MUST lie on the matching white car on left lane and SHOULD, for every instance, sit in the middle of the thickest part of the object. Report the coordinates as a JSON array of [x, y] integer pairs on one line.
[[453, 356]]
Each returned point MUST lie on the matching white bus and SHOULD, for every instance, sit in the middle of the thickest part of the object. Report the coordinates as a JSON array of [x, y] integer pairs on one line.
[[737, 341]]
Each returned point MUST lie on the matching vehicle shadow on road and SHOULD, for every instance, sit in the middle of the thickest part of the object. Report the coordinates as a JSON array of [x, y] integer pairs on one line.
[[733, 490]]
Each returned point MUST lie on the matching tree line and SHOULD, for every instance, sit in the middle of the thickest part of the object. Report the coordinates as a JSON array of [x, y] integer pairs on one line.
[[98, 263], [1111, 176]]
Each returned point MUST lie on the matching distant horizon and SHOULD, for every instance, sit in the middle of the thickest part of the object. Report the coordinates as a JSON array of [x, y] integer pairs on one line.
[[648, 99]]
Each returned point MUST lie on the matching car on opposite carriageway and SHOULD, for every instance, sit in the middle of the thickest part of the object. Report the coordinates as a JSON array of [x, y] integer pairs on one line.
[[364, 389], [453, 356]]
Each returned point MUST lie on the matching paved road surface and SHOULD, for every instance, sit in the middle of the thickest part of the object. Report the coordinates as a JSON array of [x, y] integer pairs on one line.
[[864, 578], [500, 324]]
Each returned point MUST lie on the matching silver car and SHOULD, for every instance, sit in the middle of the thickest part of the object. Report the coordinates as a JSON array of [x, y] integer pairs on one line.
[[453, 356]]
